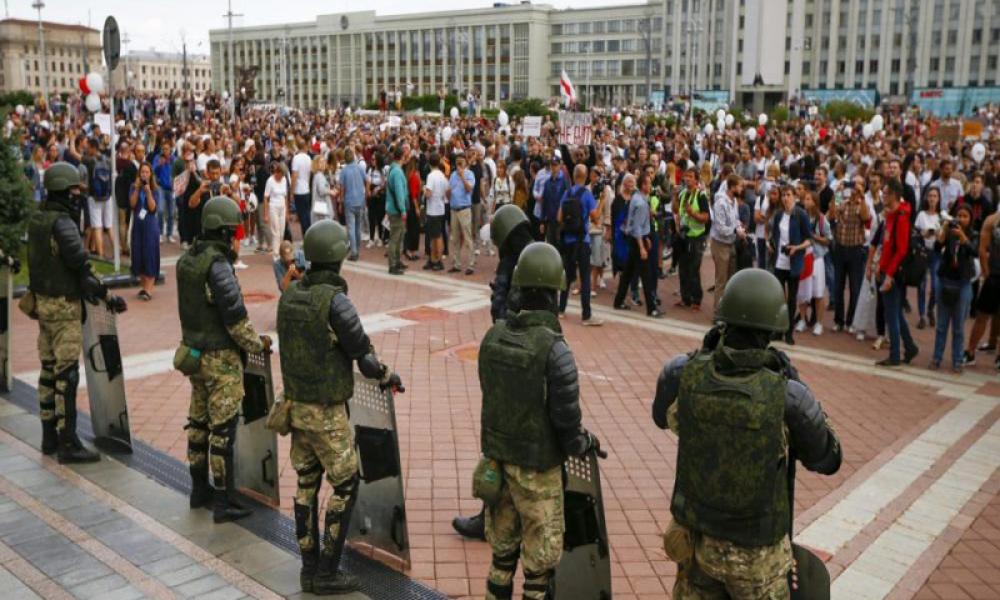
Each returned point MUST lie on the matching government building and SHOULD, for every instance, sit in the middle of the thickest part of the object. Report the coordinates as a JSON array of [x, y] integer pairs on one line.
[[749, 52], [71, 52], [163, 72]]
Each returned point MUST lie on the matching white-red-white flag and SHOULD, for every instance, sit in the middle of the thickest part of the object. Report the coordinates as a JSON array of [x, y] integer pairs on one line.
[[567, 89]]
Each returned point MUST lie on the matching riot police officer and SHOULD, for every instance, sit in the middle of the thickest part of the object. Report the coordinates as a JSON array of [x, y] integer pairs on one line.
[[320, 337], [739, 409], [531, 422], [215, 329], [511, 233], [60, 276]]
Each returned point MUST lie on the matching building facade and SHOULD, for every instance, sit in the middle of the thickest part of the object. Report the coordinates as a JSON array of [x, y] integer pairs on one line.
[[163, 72], [755, 51], [71, 51]]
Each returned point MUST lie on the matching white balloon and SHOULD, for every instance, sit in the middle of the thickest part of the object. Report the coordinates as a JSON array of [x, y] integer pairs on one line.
[[730, 119], [762, 119], [19, 109], [878, 123], [413, 126], [709, 129], [628, 122], [446, 134], [484, 233], [225, 94], [720, 125], [503, 118], [95, 83], [93, 102], [808, 129], [348, 111], [867, 130], [751, 133], [978, 152], [454, 112], [720, 114]]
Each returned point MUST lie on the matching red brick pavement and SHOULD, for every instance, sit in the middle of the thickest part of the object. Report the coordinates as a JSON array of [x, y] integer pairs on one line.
[[438, 419]]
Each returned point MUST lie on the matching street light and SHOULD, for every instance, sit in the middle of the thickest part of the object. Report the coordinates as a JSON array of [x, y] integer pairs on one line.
[[39, 5]]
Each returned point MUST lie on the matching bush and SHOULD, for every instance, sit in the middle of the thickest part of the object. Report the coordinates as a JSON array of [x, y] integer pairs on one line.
[[429, 102], [527, 107], [17, 203], [779, 114], [842, 110], [19, 97]]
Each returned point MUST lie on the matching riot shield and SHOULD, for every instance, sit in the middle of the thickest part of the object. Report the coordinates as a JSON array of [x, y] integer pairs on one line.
[[6, 302], [814, 579], [102, 361], [379, 518], [256, 450], [584, 573]]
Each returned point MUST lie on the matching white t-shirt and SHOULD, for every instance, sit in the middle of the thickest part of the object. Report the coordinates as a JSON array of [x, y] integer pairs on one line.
[[276, 191], [927, 220], [761, 206], [302, 167], [783, 262], [438, 186]]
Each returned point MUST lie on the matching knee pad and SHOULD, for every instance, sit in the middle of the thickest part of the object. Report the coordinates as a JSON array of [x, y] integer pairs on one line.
[[507, 562], [197, 434], [309, 481], [540, 584], [70, 376], [222, 438], [347, 488]]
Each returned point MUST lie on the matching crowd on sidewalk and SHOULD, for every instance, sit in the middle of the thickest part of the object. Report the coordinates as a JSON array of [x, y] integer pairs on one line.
[[869, 230]]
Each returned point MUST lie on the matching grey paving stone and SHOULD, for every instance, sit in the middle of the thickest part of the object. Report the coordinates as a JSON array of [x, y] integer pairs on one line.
[[172, 563], [226, 593], [260, 556], [195, 589], [88, 516], [138, 545], [219, 539], [126, 593], [98, 588], [13, 516], [13, 587], [282, 580], [29, 478], [46, 545], [25, 531], [71, 499], [88, 570], [184, 575], [58, 560], [12, 464]]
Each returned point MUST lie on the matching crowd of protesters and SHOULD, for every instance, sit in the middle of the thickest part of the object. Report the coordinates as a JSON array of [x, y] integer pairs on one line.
[[868, 230]]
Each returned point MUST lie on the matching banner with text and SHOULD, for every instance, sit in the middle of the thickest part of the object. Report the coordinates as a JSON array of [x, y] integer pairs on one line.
[[575, 128]]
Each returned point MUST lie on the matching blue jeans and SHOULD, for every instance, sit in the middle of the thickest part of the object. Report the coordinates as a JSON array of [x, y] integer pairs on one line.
[[354, 215], [932, 269], [954, 315], [895, 323], [303, 208], [165, 210]]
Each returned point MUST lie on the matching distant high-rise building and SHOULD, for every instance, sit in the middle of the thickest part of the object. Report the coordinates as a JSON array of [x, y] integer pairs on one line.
[[163, 72]]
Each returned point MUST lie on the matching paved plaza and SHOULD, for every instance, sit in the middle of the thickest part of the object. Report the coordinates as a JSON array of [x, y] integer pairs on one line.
[[913, 513]]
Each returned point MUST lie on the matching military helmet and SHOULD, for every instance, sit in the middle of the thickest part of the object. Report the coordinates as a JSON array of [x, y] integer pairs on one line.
[[219, 212], [60, 177], [325, 242], [540, 266], [505, 220], [754, 299]]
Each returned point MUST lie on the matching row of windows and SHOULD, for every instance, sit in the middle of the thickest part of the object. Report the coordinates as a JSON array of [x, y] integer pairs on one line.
[[170, 85], [609, 26], [71, 52], [600, 46], [606, 68], [63, 67], [160, 70]]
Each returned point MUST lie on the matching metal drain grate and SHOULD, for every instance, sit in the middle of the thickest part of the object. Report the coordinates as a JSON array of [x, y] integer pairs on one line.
[[378, 581]]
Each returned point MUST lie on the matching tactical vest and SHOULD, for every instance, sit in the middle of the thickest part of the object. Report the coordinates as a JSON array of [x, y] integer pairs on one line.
[[314, 368], [732, 461], [695, 228], [201, 324], [516, 427], [48, 274]]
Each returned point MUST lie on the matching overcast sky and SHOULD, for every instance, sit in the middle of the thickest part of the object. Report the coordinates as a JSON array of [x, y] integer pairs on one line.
[[160, 24]]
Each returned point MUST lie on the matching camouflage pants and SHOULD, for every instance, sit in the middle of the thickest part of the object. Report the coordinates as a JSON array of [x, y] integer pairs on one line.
[[722, 570], [326, 446], [60, 343], [216, 395], [526, 522]]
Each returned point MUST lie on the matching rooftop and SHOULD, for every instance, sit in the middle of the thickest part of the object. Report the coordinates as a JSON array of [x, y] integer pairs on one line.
[[49, 25]]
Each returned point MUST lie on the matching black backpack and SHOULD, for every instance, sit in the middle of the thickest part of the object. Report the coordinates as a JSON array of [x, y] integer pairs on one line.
[[572, 212], [913, 269]]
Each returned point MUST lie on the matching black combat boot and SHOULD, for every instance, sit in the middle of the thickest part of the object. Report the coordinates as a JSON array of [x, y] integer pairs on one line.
[[330, 579], [69, 448], [225, 507], [306, 530], [201, 489], [50, 437], [473, 527]]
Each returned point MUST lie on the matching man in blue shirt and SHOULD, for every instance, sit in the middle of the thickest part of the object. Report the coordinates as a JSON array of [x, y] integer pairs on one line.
[[460, 197], [354, 189], [577, 209], [637, 229], [554, 190]]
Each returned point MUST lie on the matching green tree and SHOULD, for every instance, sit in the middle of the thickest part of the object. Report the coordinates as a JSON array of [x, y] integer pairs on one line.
[[526, 108], [16, 202]]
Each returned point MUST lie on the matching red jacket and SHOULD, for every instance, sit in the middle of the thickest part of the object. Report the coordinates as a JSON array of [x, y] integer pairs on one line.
[[895, 239]]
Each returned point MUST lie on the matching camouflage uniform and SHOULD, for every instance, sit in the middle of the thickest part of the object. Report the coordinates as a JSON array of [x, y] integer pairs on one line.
[[60, 342], [722, 570]]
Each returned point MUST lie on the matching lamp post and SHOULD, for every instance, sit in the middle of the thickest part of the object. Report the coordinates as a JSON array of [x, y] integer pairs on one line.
[[39, 5]]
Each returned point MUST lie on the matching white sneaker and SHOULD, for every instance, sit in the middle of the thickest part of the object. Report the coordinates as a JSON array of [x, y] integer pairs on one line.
[[602, 284], [837, 328], [851, 330], [860, 336], [171, 239], [241, 265], [476, 252], [818, 329], [369, 244], [163, 239], [800, 326]]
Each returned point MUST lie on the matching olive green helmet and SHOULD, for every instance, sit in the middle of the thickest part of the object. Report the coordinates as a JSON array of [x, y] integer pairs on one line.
[[539, 266], [220, 212], [326, 242], [60, 177], [754, 298], [505, 220]]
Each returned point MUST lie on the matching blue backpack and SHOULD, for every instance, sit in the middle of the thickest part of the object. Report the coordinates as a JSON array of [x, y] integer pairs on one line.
[[100, 185]]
